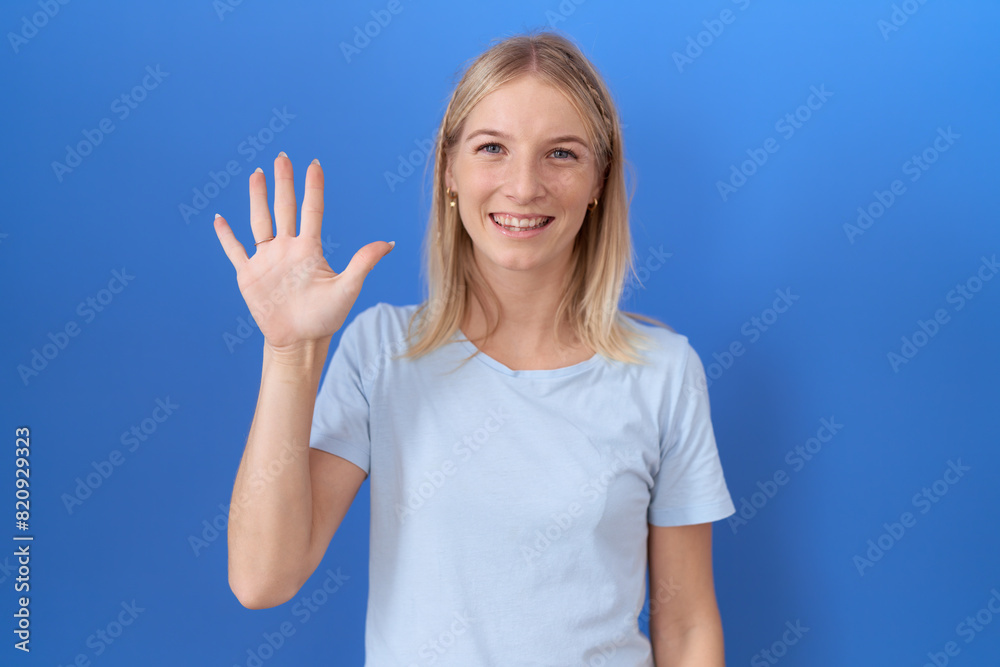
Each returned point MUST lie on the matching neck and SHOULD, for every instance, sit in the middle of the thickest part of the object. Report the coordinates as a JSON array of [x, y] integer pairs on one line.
[[528, 300]]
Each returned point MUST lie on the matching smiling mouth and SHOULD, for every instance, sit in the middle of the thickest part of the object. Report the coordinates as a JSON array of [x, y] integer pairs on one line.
[[519, 224]]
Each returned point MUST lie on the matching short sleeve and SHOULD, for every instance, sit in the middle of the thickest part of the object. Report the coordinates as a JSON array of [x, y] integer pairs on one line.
[[340, 423], [689, 486]]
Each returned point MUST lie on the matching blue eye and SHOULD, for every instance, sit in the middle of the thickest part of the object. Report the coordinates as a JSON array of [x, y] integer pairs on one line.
[[569, 153]]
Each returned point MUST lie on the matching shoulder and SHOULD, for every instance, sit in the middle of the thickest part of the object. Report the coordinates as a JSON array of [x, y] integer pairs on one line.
[[673, 369], [383, 317], [666, 347], [381, 329]]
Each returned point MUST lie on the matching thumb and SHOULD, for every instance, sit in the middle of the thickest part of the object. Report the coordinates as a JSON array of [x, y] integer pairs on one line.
[[364, 261]]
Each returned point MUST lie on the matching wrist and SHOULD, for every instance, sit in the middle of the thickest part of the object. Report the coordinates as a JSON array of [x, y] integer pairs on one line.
[[304, 355]]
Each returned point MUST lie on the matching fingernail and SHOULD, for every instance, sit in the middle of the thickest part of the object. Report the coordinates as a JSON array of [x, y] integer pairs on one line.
[[392, 244], [258, 169], [217, 215], [282, 154], [315, 161]]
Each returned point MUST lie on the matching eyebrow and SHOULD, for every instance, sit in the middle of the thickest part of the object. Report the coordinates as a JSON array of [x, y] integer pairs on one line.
[[506, 137]]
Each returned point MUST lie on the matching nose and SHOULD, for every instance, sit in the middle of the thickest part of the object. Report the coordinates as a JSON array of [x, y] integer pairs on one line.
[[525, 180]]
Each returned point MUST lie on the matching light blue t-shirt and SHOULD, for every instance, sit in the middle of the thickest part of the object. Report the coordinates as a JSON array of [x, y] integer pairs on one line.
[[509, 508]]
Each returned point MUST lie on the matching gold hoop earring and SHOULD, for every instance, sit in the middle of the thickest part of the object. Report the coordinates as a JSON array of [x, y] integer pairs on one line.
[[591, 207], [453, 196]]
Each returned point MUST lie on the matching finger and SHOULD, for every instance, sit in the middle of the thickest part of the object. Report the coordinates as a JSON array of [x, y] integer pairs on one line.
[[260, 216], [284, 196], [234, 249], [312, 202], [364, 261]]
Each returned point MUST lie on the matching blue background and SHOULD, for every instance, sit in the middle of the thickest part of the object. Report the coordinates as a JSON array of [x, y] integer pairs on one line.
[[169, 334]]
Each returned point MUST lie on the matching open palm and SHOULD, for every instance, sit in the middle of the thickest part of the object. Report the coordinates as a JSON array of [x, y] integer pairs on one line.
[[292, 293]]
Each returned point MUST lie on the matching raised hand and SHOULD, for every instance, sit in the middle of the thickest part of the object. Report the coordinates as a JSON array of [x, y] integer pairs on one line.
[[293, 295]]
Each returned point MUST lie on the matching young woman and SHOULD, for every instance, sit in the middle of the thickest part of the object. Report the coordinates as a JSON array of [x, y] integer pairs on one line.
[[531, 448]]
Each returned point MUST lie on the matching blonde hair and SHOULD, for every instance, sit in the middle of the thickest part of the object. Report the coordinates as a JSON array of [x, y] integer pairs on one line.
[[602, 251]]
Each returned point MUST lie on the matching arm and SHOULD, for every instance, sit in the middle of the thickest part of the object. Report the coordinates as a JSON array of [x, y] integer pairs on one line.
[[684, 626], [288, 500]]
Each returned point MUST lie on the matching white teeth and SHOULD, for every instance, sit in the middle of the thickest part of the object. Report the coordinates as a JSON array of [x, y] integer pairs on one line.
[[518, 223]]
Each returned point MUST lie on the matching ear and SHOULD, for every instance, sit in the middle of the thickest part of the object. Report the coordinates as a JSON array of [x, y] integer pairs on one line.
[[599, 185], [449, 180], [597, 191]]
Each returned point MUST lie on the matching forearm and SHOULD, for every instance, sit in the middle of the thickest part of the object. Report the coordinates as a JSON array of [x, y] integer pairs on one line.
[[699, 645], [270, 518]]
